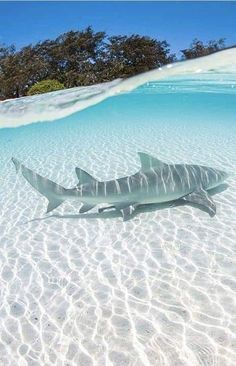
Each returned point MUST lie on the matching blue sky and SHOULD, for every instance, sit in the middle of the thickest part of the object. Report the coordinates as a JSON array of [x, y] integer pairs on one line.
[[22, 23]]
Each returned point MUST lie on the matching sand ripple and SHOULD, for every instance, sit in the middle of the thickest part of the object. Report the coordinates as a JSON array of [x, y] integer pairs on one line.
[[93, 290]]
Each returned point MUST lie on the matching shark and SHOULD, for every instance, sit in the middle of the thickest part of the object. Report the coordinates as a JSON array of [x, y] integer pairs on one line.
[[155, 182]]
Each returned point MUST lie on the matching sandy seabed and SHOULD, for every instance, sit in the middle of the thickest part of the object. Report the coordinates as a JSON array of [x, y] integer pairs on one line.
[[93, 290]]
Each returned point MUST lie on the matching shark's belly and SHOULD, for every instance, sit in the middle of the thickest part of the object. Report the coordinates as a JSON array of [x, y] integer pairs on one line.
[[164, 193], [160, 198]]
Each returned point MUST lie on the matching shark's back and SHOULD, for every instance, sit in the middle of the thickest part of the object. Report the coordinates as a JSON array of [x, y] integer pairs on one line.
[[164, 182]]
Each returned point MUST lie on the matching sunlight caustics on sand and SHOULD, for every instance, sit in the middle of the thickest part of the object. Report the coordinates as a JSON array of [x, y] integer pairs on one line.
[[90, 289]]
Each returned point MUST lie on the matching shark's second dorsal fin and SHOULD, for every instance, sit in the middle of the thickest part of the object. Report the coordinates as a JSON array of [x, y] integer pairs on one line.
[[84, 177], [148, 162]]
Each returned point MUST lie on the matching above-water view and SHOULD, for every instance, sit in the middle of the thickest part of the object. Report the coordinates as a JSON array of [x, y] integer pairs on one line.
[[89, 288]]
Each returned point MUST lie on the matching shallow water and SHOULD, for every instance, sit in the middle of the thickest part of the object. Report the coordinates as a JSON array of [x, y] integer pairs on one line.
[[90, 289]]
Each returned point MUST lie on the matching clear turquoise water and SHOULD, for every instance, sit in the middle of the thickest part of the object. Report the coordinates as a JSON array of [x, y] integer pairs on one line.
[[91, 289]]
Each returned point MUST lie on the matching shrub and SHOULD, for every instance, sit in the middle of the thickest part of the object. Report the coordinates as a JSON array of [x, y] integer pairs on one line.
[[45, 86]]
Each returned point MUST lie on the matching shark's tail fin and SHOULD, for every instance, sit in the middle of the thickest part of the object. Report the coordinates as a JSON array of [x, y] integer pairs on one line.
[[17, 164], [46, 187]]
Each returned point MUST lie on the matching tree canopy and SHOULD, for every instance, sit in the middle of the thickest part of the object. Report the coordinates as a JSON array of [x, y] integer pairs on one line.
[[198, 48], [78, 58]]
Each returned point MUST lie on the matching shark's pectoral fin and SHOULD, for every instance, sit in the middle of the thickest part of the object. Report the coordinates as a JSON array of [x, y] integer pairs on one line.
[[202, 198], [86, 207]]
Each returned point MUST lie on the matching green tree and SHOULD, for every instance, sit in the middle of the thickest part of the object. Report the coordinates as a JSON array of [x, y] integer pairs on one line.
[[74, 56], [198, 48], [78, 58], [86, 57], [45, 86], [7, 66], [135, 54], [19, 70]]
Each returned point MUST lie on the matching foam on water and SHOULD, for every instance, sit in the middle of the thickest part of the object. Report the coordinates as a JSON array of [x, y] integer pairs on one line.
[[90, 289]]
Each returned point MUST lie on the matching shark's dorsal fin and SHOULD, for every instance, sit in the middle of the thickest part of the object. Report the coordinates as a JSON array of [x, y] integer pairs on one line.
[[148, 161], [84, 177]]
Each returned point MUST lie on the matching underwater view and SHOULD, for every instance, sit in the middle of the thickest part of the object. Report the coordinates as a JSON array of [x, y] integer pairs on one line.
[[151, 280]]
